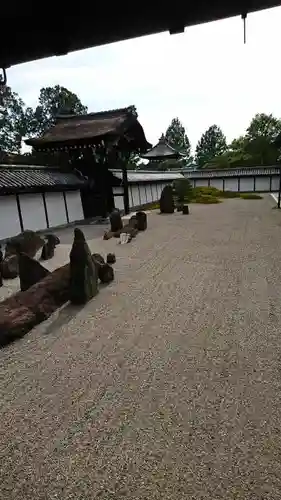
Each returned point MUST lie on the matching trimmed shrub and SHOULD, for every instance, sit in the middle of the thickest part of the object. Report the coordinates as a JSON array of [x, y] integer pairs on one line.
[[250, 196]]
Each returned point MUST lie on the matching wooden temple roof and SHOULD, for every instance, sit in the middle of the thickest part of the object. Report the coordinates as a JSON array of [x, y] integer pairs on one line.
[[76, 131], [162, 151]]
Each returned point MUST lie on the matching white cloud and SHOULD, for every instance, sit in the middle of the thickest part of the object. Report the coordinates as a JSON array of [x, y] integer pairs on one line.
[[204, 76]]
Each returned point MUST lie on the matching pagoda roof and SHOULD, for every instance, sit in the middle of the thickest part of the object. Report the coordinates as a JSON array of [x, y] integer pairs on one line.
[[76, 131], [162, 151]]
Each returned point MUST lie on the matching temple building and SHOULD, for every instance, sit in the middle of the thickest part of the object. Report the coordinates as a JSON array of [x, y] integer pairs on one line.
[[161, 152], [92, 144]]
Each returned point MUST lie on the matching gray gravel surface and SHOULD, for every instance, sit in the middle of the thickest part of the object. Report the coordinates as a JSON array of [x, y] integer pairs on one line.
[[168, 384]]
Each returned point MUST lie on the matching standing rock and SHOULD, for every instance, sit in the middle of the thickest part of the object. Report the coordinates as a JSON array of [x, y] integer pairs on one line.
[[115, 221], [104, 270], [10, 267], [185, 209], [48, 250], [83, 272], [30, 271], [167, 204], [110, 258], [141, 221], [133, 222]]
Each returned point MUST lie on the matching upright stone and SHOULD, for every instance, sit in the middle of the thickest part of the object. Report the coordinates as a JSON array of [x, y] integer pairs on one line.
[[185, 209], [167, 204], [30, 271], [141, 221], [115, 221], [83, 272], [48, 250]]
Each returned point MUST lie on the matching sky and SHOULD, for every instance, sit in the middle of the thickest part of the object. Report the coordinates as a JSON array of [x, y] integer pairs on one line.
[[203, 76]]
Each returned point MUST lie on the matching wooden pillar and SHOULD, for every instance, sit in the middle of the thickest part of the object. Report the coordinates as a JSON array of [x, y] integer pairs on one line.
[[126, 189]]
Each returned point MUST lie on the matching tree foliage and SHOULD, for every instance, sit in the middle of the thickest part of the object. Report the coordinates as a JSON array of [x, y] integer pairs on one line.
[[265, 126], [53, 101], [177, 138], [12, 121], [211, 144]]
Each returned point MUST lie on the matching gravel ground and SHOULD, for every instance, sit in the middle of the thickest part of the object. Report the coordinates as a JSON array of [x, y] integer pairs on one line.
[[168, 384]]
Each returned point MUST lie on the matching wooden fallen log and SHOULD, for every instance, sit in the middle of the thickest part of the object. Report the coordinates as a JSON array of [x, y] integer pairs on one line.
[[24, 310]]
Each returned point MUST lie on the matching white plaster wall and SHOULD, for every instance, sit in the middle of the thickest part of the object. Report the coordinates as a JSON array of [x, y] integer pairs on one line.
[[154, 192], [231, 184], [56, 209], [119, 202], [142, 194], [148, 192], [33, 211], [275, 184], [117, 190], [135, 195], [74, 205], [201, 182], [217, 183], [262, 184], [247, 184], [9, 217]]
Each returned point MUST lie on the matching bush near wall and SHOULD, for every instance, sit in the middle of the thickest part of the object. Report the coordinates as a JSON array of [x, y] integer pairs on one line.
[[205, 195]]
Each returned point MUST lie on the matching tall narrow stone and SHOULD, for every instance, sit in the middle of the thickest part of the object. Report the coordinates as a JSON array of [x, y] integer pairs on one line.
[[83, 273]]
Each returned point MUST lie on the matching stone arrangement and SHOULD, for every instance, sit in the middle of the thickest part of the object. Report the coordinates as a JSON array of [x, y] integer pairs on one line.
[[167, 201], [130, 230], [27, 243], [43, 292]]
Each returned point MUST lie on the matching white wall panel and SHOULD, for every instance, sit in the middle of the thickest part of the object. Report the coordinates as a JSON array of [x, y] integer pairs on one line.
[[142, 194], [9, 217], [201, 182], [231, 184], [33, 211], [148, 192], [275, 184], [74, 205], [262, 184], [154, 192], [119, 202], [135, 195], [217, 183], [56, 209], [247, 184]]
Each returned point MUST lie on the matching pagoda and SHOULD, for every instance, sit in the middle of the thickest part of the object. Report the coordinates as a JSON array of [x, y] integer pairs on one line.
[[162, 152]]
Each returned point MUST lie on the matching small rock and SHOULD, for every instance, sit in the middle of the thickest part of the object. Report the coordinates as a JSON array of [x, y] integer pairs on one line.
[[110, 258], [10, 267]]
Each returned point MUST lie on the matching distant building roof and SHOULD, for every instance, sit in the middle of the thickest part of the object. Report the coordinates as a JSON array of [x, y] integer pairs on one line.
[[75, 131], [29, 178], [162, 151]]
